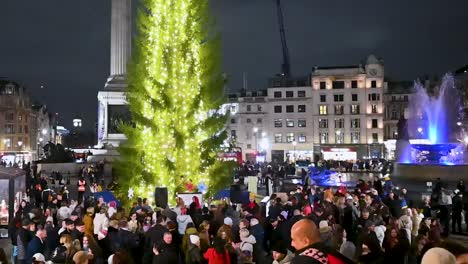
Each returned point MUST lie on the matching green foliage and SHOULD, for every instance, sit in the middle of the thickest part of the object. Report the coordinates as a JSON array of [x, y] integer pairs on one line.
[[174, 84]]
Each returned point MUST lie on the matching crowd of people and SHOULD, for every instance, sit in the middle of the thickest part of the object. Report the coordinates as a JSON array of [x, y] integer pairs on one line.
[[373, 223]]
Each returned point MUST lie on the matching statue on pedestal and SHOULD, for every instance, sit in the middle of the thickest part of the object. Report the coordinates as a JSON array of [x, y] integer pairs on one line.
[[403, 146]]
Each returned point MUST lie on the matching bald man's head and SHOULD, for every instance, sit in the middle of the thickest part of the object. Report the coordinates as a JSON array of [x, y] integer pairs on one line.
[[304, 233]]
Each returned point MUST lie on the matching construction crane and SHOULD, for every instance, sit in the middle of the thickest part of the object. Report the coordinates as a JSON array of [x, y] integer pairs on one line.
[[286, 66]]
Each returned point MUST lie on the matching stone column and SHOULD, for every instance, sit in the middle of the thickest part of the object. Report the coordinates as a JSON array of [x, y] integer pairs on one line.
[[121, 36]]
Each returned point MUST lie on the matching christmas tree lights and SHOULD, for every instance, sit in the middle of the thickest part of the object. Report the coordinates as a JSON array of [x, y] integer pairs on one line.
[[174, 82]]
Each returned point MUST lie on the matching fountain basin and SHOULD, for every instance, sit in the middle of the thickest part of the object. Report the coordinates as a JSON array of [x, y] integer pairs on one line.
[[430, 172]]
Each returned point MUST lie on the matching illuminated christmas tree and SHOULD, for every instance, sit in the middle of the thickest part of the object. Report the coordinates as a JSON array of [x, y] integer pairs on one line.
[[175, 87]]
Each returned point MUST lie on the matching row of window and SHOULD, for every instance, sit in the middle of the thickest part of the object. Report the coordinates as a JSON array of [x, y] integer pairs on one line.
[[290, 137], [10, 129], [323, 136], [323, 99], [8, 142], [339, 138], [354, 109], [341, 84], [290, 109], [354, 123], [323, 123], [289, 94], [11, 117], [290, 122]]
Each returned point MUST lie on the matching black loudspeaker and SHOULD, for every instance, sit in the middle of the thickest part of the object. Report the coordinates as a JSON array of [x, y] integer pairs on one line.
[[236, 193], [160, 196]]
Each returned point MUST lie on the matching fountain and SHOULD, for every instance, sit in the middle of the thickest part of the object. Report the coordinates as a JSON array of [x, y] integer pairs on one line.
[[433, 124]]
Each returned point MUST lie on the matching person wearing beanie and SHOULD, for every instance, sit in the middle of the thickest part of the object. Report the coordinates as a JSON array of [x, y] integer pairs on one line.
[[193, 255], [280, 254], [438, 255]]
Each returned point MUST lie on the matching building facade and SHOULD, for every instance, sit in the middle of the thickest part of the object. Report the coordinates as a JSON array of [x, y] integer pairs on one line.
[[337, 114]]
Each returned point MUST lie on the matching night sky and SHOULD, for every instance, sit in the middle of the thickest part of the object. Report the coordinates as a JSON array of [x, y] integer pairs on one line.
[[64, 45]]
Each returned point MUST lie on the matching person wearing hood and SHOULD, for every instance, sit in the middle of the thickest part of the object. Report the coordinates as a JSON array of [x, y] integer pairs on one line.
[[246, 245], [182, 220]]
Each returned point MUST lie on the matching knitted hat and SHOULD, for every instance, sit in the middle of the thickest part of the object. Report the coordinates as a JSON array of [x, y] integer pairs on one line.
[[194, 239], [438, 256], [280, 248], [228, 221]]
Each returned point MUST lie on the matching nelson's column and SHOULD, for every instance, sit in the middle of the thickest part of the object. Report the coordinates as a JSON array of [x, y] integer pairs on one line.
[[112, 103]]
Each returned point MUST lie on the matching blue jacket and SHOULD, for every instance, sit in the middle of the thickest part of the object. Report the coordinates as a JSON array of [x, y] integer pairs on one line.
[[34, 246]]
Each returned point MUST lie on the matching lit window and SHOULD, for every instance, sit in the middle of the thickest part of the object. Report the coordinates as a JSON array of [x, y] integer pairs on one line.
[[289, 122], [290, 137], [323, 110]]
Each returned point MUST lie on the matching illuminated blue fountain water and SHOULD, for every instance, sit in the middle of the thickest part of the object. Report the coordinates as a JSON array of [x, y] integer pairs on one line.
[[432, 122]]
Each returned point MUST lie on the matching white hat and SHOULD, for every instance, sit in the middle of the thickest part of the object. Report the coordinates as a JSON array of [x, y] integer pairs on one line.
[[456, 191], [349, 197], [323, 224], [254, 221], [194, 239], [324, 227], [228, 221], [39, 257]]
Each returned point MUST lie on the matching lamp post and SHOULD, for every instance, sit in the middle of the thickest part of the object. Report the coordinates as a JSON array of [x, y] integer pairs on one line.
[[255, 130], [294, 143]]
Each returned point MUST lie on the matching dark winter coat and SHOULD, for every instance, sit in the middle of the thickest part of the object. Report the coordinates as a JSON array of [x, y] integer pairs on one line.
[[167, 254]]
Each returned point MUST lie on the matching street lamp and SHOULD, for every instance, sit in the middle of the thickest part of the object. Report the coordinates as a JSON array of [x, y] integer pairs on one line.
[[20, 143], [294, 153], [44, 131], [420, 130], [255, 130], [459, 123]]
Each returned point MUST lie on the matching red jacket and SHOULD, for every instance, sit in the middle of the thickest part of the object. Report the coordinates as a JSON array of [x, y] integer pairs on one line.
[[214, 257]]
